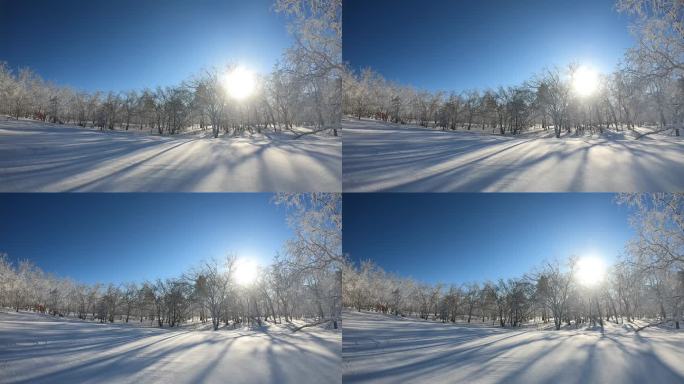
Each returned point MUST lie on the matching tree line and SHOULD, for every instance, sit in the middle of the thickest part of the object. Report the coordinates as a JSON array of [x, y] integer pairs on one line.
[[646, 283], [303, 90], [647, 89], [303, 283]]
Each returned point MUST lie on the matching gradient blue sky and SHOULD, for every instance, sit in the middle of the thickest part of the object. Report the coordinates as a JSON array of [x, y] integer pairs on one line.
[[459, 237], [126, 44], [132, 237], [457, 45]]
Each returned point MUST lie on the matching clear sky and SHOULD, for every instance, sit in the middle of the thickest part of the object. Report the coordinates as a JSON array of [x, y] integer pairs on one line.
[[131, 237], [126, 44], [460, 238], [458, 45]]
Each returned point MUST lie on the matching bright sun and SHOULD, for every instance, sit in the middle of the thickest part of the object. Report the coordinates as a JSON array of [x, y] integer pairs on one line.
[[246, 271], [585, 81], [590, 271], [240, 83]]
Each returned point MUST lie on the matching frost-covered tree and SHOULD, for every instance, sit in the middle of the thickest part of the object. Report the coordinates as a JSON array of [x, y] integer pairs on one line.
[[314, 256], [302, 284], [315, 60], [554, 288], [647, 282], [659, 28], [302, 94], [647, 90], [213, 285], [659, 222], [657, 254]]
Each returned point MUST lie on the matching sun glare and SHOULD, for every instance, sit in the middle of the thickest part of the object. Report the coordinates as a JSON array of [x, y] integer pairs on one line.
[[246, 271], [590, 271], [585, 81], [240, 83]]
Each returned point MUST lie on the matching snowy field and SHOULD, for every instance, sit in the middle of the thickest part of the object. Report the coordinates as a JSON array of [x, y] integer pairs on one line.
[[387, 157], [37, 156], [384, 349], [42, 349]]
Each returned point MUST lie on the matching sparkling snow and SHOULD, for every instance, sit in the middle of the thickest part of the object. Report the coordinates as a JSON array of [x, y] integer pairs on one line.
[[43, 157], [42, 349], [385, 349], [388, 157]]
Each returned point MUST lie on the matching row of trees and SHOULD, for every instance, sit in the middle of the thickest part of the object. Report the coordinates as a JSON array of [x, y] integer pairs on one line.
[[304, 89], [205, 293], [647, 283], [622, 101], [647, 90], [305, 283]]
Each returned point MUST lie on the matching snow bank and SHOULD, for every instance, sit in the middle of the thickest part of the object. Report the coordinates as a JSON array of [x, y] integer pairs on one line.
[[384, 349], [388, 157], [37, 157], [42, 349]]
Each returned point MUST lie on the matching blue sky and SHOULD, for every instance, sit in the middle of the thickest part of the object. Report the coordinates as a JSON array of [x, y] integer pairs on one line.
[[457, 45], [126, 44], [132, 237], [460, 237]]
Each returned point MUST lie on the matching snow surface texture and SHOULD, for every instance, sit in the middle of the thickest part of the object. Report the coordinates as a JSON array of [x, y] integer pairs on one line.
[[384, 349], [388, 157], [37, 157], [42, 349]]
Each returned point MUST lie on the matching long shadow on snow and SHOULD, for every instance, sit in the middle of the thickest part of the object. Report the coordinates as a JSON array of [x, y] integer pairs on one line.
[[443, 362], [129, 167], [129, 361]]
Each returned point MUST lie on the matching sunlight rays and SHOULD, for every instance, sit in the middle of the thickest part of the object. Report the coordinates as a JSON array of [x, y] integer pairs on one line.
[[239, 83], [590, 271], [585, 81], [246, 271]]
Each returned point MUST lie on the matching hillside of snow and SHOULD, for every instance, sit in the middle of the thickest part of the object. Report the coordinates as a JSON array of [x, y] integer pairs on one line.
[[389, 157], [38, 348], [379, 348], [44, 157]]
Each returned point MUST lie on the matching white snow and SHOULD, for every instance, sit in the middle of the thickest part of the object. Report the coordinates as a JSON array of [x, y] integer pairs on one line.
[[43, 157], [385, 349], [388, 157], [41, 349]]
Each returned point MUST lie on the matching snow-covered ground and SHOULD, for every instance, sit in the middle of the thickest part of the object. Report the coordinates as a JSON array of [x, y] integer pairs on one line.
[[388, 157], [36, 157], [41, 349], [384, 349]]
